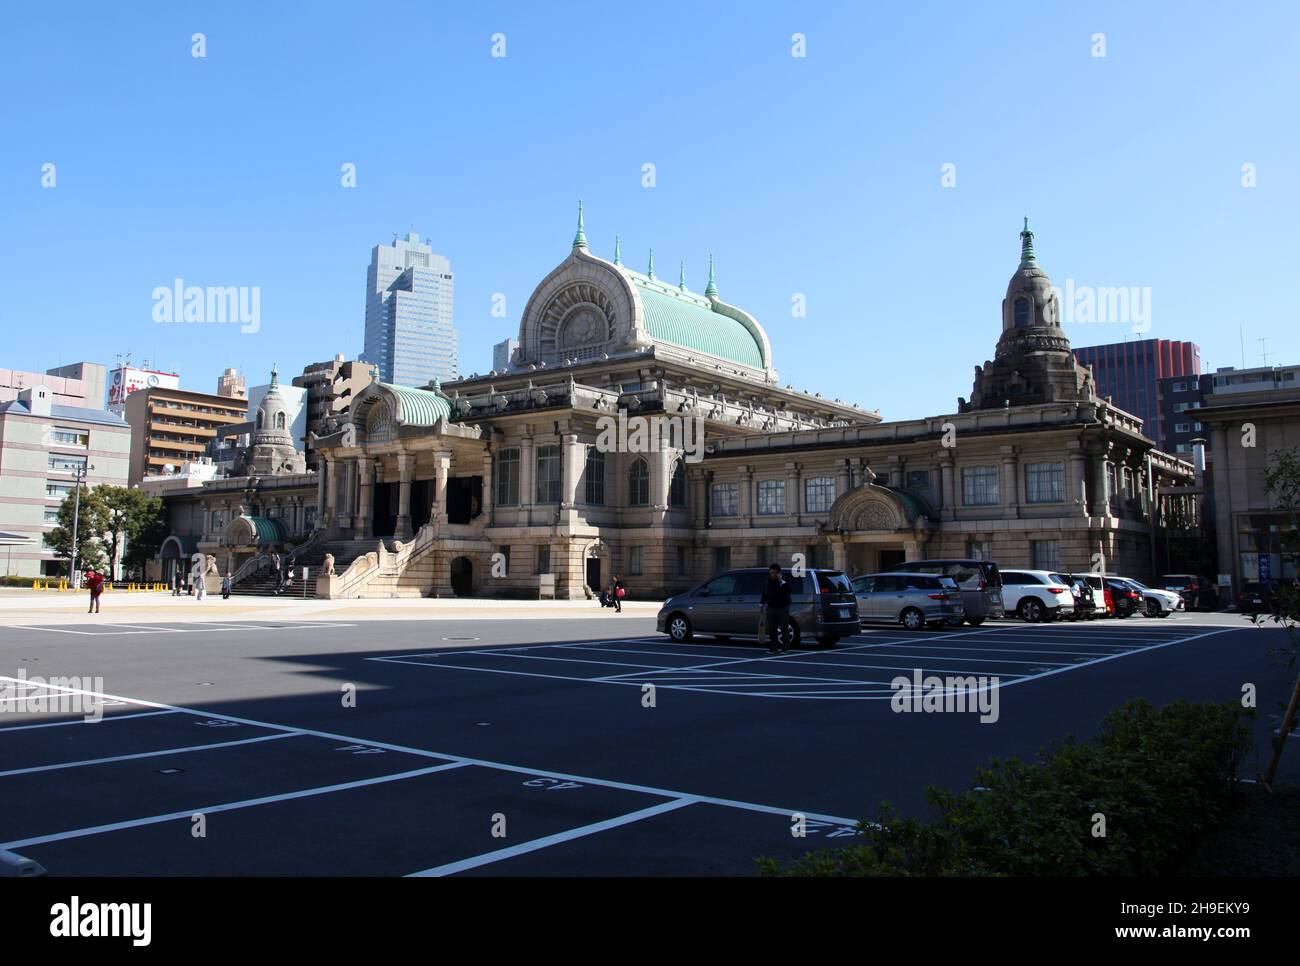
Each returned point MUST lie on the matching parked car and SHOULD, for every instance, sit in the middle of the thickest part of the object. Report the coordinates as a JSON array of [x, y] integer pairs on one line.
[[979, 580], [822, 606], [913, 600], [1036, 595], [1157, 602], [1261, 596], [1198, 593], [1126, 599], [1087, 605]]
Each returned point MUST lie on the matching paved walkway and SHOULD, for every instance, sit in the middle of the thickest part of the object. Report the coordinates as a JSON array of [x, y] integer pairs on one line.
[[24, 606]]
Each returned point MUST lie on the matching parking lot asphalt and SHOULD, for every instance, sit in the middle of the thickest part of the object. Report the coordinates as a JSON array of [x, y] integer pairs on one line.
[[536, 747]]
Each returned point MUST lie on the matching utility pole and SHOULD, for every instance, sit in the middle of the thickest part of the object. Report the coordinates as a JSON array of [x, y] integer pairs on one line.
[[79, 474]]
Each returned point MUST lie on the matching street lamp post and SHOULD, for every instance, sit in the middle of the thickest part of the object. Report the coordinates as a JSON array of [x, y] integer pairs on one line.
[[79, 474]]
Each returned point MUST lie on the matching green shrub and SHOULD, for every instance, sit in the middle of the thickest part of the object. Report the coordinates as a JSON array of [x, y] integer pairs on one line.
[[1159, 777]]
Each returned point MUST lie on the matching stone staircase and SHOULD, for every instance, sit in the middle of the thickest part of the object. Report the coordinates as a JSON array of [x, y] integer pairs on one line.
[[263, 582]]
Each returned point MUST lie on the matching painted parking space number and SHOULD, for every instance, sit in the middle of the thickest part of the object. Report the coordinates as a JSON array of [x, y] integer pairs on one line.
[[550, 784], [360, 750]]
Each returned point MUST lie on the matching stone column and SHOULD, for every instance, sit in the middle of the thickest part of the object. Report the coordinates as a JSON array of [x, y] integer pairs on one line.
[[843, 477], [913, 550], [1010, 481], [896, 476], [321, 477], [405, 474], [441, 473], [1075, 491], [489, 495], [746, 500], [365, 469], [793, 492], [699, 500], [948, 475], [1098, 488], [571, 457], [660, 477], [527, 488]]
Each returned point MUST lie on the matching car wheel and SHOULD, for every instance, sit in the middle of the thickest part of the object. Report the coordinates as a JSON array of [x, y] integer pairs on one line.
[[974, 621], [1030, 610], [679, 628], [912, 619], [788, 635], [1165, 613], [1153, 608]]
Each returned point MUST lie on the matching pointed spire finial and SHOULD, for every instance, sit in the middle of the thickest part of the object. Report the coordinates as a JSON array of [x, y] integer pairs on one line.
[[617, 252], [1027, 259], [275, 374], [580, 239], [651, 272], [711, 289], [681, 278]]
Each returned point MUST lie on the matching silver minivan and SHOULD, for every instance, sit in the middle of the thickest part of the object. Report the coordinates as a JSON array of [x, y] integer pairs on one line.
[[913, 600], [822, 606]]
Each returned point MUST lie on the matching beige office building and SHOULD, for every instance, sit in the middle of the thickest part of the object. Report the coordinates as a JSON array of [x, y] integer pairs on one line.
[[44, 445], [174, 426]]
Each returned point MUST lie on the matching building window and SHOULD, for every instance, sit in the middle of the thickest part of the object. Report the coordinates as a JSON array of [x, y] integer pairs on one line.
[[918, 479], [1180, 387], [67, 464], [725, 499], [771, 497], [508, 478], [594, 477], [1180, 407], [979, 486], [634, 555], [57, 490], [1022, 313], [683, 567], [1046, 554], [638, 483], [544, 559], [63, 436], [51, 516], [1045, 482], [548, 474], [677, 488], [721, 559], [308, 519], [818, 494], [1183, 427], [979, 549]]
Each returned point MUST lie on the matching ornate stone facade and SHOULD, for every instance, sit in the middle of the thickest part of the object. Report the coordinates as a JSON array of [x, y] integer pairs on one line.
[[499, 480]]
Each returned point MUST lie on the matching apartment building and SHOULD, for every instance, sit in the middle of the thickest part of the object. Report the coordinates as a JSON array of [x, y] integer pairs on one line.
[[170, 427]]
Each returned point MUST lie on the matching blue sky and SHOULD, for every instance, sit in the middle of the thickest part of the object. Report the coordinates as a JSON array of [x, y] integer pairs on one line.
[[818, 175]]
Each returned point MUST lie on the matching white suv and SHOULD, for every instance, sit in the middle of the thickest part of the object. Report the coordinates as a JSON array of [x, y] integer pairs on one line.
[[1157, 602], [1036, 595]]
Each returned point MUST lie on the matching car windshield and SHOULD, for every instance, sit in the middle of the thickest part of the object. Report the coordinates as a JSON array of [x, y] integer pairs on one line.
[[1138, 583]]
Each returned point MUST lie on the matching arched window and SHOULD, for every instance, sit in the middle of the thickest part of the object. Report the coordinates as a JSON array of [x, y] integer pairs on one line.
[[279, 420], [677, 488], [638, 484], [261, 418], [1022, 313]]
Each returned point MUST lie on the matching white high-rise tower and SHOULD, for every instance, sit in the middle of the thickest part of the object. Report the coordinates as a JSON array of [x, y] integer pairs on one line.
[[409, 331]]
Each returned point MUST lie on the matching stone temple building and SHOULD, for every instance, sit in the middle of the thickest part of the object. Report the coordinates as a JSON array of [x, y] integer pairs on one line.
[[641, 430]]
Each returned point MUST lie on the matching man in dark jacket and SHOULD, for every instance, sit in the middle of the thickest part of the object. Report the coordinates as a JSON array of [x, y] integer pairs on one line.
[[775, 603]]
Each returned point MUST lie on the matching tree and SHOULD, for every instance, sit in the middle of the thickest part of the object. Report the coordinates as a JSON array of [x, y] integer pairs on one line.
[[90, 553], [147, 529], [126, 515], [1282, 483]]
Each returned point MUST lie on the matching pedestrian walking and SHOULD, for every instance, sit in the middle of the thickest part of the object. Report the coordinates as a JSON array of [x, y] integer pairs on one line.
[[176, 583], [775, 605], [95, 583], [618, 590], [225, 586], [200, 586]]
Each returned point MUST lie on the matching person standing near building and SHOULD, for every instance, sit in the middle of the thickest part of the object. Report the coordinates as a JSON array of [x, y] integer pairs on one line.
[[95, 584], [775, 604], [200, 585], [225, 586], [617, 591]]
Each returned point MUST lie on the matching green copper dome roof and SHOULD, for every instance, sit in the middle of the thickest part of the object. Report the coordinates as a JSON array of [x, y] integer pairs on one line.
[[683, 318], [269, 529], [418, 407]]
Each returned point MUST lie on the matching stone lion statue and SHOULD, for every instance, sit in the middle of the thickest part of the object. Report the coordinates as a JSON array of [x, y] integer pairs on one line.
[[329, 565]]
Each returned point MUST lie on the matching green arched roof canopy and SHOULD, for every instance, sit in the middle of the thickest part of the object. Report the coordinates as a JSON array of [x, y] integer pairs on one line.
[[269, 529], [687, 320], [418, 407]]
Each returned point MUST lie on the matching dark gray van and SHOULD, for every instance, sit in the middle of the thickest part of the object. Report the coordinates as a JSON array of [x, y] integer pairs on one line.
[[822, 606], [979, 580]]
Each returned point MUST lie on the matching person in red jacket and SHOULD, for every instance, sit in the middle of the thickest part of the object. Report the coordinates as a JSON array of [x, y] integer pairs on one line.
[[95, 582]]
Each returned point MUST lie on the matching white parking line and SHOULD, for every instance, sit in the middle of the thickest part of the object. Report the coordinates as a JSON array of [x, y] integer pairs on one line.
[[224, 807], [463, 760], [146, 754], [487, 858], [84, 721]]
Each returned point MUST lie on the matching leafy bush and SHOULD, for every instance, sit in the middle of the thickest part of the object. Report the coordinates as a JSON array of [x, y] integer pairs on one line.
[[1159, 777]]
